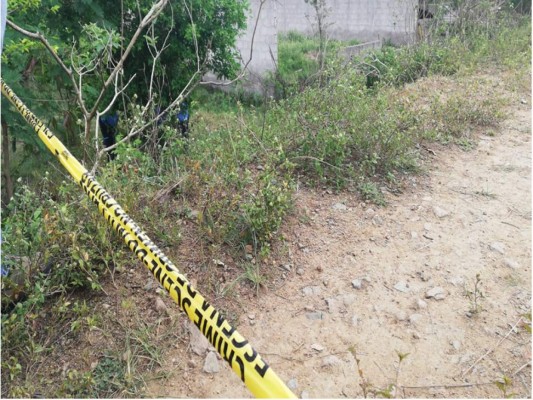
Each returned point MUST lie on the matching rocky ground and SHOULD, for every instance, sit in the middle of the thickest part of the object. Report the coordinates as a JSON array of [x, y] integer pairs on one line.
[[376, 283]]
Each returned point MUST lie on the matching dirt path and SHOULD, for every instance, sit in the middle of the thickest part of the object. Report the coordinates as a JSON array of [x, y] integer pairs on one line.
[[361, 276]]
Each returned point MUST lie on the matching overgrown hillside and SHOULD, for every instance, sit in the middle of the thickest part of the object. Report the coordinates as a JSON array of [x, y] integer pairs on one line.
[[215, 202]]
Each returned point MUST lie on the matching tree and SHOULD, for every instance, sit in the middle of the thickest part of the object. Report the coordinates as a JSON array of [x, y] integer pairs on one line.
[[94, 53]]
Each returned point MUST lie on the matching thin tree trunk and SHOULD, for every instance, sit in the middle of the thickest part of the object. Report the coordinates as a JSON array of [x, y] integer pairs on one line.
[[6, 173]]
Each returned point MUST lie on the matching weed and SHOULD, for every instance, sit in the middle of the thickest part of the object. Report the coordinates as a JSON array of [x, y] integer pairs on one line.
[[370, 192], [475, 296], [504, 385], [252, 274]]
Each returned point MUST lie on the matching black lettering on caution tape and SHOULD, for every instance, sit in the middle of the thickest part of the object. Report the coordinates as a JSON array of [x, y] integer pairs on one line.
[[233, 348]]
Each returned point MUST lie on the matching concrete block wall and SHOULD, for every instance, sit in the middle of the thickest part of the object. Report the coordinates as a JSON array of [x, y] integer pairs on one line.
[[365, 20]]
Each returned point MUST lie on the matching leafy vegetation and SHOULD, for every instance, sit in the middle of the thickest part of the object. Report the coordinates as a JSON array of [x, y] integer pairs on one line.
[[227, 189]]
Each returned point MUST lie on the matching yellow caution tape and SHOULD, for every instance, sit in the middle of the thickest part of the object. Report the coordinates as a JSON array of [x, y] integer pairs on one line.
[[240, 355]]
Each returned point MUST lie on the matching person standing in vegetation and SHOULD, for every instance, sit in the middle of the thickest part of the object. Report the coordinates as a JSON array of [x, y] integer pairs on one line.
[[183, 119], [108, 126]]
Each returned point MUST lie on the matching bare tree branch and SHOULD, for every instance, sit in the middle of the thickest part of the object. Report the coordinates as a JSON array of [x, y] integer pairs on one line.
[[39, 36], [147, 20], [243, 72]]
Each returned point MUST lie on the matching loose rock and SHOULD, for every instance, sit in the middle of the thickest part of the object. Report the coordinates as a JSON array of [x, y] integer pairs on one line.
[[334, 305], [292, 384], [357, 284], [149, 285], [286, 267], [339, 207], [421, 304], [330, 361], [440, 212], [508, 262], [497, 247], [311, 290], [197, 341], [400, 315], [300, 271], [317, 347], [316, 315], [211, 363], [304, 395], [436, 293], [456, 344], [160, 306], [402, 287], [414, 319], [377, 220]]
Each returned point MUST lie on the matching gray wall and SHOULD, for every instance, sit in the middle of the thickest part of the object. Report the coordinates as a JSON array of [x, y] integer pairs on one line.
[[365, 20]]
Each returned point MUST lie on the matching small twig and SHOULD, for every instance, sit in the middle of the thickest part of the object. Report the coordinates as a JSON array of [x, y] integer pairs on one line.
[[448, 386], [507, 223], [521, 368], [491, 350]]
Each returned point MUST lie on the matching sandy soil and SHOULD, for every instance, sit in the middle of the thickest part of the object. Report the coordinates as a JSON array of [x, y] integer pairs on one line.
[[361, 274]]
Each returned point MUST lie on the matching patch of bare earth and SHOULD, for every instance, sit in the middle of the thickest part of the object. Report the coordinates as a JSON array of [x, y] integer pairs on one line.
[[396, 279]]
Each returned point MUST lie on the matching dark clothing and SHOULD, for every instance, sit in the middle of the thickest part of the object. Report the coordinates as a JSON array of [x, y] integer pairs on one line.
[[183, 119], [108, 126]]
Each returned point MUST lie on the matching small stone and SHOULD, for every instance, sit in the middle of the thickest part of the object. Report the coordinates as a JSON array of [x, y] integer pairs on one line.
[[319, 268], [191, 364], [300, 271], [377, 220], [339, 207], [292, 384], [94, 364], [248, 249], [357, 284], [325, 282], [149, 286], [317, 347], [369, 213], [414, 319], [160, 306], [197, 341], [211, 363], [440, 212], [421, 304], [333, 305], [251, 316], [252, 323], [402, 287], [106, 306], [348, 299], [427, 226], [304, 395], [437, 293], [414, 235], [456, 344], [311, 290], [355, 320], [400, 315], [456, 281], [416, 335], [497, 247], [286, 267], [508, 262], [523, 101], [316, 315], [330, 361]]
